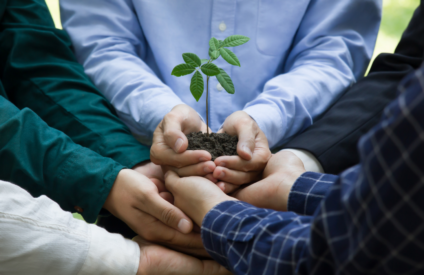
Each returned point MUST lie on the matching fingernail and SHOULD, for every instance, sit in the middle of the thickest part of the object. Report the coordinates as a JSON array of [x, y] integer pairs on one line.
[[178, 145], [184, 226], [203, 159], [207, 169], [166, 174], [247, 150], [222, 186], [221, 175]]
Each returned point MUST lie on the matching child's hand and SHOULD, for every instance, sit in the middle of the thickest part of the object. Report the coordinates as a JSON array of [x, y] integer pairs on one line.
[[195, 196]]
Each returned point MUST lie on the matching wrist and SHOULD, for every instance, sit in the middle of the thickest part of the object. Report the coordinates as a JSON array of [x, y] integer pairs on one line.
[[111, 199], [286, 186], [208, 205]]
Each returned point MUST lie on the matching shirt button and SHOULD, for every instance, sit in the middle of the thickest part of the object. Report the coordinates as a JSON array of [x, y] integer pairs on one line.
[[222, 26], [79, 209], [219, 87]]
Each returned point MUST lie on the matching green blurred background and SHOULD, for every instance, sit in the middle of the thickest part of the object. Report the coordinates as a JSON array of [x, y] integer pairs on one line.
[[396, 15]]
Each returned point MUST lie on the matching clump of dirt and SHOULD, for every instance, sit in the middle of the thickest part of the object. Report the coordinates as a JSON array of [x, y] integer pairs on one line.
[[217, 144]]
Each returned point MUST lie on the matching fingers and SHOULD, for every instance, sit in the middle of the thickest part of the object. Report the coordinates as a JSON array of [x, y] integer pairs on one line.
[[168, 213], [162, 155], [159, 184], [200, 169], [167, 196], [180, 121], [228, 188], [235, 177], [171, 179], [155, 259], [257, 163]]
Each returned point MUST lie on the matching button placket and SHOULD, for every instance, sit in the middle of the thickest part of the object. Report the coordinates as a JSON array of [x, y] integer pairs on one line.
[[222, 26]]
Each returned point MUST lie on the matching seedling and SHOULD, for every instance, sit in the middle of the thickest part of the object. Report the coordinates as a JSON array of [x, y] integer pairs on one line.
[[194, 64]]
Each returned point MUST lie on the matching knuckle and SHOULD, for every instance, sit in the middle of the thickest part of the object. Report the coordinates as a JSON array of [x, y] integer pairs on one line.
[[167, 215]]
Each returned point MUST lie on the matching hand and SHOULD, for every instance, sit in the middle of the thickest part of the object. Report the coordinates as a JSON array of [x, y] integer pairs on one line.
[[140, 203], [155, 259], [273, 191], [170, 143], [149, 169], [196, 196], [253, 153]]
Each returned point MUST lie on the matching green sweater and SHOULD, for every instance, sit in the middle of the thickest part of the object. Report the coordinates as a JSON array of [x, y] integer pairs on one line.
[[58, 135]]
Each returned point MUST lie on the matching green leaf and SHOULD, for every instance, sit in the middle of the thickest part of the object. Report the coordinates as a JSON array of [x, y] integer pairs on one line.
[[210, 69], [220, 43], [214, 44], [182, 69], [225, 81], [204, 61], [214, 54], [192, 59], [235, 40], [197, 85], [229, 56]]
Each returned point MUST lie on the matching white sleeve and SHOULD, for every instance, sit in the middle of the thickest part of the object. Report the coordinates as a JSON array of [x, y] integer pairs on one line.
[[38, 237], [309, 161]]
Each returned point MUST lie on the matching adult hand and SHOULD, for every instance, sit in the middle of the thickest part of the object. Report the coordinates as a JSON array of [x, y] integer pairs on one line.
[[273, 191], [170, 143], [155, 259], [137, 201], [253, 153], [149, 169], [196, 196]]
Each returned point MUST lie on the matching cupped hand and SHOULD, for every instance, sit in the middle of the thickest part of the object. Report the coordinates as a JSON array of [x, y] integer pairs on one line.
[[195, 196], [143, 206], [252, 149], [170, 143], [155, 259], [273, 190]]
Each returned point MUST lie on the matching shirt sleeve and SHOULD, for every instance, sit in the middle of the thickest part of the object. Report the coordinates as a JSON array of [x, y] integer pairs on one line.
[[310, 162], [331, 51], [112, 52], [308, 191], [44, 161], [37, 237], [40, 72], [370, 221]]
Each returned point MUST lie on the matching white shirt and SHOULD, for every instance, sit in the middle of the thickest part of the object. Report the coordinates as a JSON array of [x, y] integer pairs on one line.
[[38, 237]]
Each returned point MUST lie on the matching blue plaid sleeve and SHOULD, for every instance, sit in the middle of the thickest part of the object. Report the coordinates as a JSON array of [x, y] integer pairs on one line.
[[370, 221], [249, 240], [308, 191]]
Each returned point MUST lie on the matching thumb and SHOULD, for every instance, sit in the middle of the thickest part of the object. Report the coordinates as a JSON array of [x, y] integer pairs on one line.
[[171, 179], [176, 124], [246, 143], [169, 214]]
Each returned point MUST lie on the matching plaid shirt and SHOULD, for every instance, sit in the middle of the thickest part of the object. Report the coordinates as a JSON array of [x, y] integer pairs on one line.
[[368, 220]]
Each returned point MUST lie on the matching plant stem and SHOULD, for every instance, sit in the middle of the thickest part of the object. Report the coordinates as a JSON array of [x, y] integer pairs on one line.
[[207, 105]]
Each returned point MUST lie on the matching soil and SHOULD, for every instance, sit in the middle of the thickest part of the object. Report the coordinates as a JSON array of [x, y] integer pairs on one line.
[[216, 144]]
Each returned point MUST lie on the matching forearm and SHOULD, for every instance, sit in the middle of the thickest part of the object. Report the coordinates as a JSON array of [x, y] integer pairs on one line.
[[43, 160], [39, 238], [323, 62], [113, 58], [250, 240], [40, 72]]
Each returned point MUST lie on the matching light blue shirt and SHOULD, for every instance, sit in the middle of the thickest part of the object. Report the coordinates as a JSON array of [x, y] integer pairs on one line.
[[302, 56]]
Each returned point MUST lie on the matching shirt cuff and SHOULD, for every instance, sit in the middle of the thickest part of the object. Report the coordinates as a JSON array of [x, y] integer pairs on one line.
[[310, 163], [110, 254], [308, 191]]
